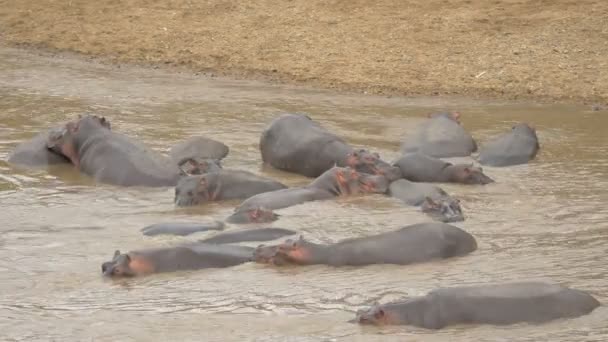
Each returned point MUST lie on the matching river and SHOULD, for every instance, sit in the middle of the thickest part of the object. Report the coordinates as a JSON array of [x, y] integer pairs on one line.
[[545, 220]]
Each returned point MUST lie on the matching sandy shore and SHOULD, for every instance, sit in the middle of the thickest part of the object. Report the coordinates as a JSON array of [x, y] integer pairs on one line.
[[549, 50]]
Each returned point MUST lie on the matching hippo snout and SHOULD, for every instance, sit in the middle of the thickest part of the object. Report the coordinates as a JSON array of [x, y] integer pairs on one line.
[[483, 179], [107, 268], [443, 209]]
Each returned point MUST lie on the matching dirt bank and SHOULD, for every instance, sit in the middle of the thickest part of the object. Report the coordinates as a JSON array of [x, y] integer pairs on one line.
[[542, 49]]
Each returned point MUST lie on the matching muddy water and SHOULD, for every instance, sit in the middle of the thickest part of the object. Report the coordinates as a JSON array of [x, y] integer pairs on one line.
[[546, 220]]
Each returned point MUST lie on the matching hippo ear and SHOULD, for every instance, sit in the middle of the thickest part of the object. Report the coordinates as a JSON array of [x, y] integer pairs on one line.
[[116, 253], [376, 154]]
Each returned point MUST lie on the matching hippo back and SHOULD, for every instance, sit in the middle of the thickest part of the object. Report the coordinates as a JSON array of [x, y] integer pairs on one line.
[[414, 193], [440, 137], [198, 147], [295, 143], [239, 184], [518, 146], [509, 303], [114, 158], [411, 244], [418, 167]]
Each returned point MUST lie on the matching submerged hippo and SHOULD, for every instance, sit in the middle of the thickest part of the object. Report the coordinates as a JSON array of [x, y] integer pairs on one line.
[[433, 200], [223, 185], [247, 235], [179, 258], [497, 304], [256, 215], [338, 181], [441, 136], [296, 143], [518, 146], [418, 167], [181, 228], [411, 244], [110, 157], [34, 152], [199, 148]]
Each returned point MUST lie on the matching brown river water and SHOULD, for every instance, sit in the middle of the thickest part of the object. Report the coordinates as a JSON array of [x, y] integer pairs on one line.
[[546, 220]]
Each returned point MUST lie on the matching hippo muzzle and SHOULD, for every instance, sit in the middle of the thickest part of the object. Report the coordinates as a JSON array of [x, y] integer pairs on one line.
[[443, 210]]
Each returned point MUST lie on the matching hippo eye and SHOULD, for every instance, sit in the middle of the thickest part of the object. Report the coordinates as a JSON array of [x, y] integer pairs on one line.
[[116, 271]]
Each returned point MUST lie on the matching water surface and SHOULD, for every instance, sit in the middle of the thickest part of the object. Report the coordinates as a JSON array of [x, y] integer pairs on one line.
[[546, 220]]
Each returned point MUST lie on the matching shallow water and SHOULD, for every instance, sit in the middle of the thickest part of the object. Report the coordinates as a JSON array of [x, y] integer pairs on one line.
[[546, 220]]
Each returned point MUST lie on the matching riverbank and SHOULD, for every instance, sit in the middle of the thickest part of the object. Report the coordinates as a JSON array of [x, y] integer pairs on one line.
[[544, 50]]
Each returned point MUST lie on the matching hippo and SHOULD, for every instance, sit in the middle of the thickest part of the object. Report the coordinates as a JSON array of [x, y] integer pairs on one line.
[[433, 200], [418, 167], [198, 166], [169, 259], [518, 146], [199, 147], [253, 215], [495, 304], [415, 243], [110, 157], [259, 234], [181, 228], [441, 136], [337, 181], [223, 185], [34, 152], [296, 143]]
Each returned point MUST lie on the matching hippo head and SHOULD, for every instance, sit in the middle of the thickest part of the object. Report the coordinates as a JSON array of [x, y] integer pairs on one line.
[[265, 254], [120, 266], [67, 140], [376, 315], [253, 215], [291, 251], [197, 166], [194, 190], [367, 162], [469, 174], [444, 209], [349, 182], [454, 116]]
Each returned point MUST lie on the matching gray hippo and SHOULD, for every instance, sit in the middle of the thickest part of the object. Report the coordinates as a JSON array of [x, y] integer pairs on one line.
[[496, 304], [418, 167], [223, 185], [254, 215], [247, 235], [34, 152], [199, 148], [296, 143], [411, 244], [337, 181], [433, 200], [181, 228], [184, 257], [440, 136], [110, 157], [518, 146]]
